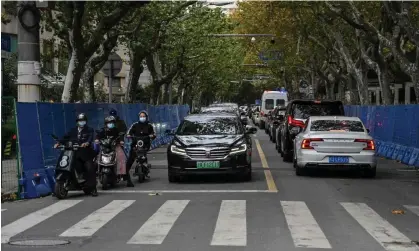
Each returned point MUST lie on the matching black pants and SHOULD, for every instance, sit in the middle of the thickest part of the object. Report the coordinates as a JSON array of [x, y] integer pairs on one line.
[[85, 156]]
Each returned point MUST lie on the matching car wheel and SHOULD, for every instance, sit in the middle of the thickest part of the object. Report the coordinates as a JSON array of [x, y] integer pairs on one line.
[[261, 125], [300, 171], [370, 173], [248, 175], [287, 157], [173, 178]]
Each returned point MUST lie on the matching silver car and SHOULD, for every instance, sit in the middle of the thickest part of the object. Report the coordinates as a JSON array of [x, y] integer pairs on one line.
[[335, 142]]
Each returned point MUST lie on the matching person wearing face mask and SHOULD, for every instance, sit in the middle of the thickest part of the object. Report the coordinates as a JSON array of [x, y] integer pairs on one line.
[[140, 128], [119, 124], [83, 135]]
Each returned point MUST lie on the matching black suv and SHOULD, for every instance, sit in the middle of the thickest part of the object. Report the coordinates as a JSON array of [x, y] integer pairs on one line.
[[298, 111]]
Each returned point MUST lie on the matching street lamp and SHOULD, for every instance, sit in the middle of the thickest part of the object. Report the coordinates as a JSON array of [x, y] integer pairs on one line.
[[253, 40]]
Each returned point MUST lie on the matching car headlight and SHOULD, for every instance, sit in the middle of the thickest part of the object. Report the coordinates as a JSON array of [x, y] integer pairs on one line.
[[106, 159], [176, 150], [239, 149]]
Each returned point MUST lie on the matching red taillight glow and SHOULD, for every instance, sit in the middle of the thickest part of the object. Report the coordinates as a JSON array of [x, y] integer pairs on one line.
[[306, 143], [294, 122], [370, 144]]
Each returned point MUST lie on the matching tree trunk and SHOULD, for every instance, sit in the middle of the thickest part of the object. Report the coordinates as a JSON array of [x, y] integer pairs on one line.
[[137, 57], [72, 79]]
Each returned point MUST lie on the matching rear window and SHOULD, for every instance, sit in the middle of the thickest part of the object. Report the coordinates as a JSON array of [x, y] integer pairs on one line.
[[269, 104], [304, 111], [337, 125], [280, 102]]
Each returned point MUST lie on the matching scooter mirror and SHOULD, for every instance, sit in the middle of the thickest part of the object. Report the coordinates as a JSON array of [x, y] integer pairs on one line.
[[54, 136]]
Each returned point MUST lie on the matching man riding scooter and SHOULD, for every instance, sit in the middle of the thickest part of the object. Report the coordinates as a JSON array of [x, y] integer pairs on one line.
[[110, 130], [83, 135], [138, 129], [119, 124]]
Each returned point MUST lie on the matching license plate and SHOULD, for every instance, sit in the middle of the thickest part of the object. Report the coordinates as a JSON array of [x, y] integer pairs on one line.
[[208, 164], [338, 159]]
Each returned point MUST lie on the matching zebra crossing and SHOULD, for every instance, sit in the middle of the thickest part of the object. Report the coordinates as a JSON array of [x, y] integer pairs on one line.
[[229, 228]]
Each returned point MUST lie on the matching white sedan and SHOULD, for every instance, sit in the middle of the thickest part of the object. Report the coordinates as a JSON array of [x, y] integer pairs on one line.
[[335, 142]]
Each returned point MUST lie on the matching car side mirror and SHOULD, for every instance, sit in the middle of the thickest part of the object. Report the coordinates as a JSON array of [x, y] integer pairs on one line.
[[368, 130], [296, 130]]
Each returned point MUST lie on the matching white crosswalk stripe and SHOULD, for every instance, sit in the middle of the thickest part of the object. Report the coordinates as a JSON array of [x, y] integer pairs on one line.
[[156, 228], [34, 218], [92, 223], [304, 229], [413, 209], [231, 229], [380, 229]]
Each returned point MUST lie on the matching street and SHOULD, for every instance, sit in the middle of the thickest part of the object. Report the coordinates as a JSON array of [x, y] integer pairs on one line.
[[275, 211]]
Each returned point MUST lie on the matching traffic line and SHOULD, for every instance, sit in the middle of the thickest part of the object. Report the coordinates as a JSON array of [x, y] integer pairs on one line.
[[3, 210], [305, 231], [413, 209], [34, 218], [93, 222], [156, 228], [231, 229], [381, 230], [268, 175], [181, 191]]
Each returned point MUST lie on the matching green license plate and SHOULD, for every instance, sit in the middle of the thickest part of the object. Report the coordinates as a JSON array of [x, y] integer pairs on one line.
[[208, 164]]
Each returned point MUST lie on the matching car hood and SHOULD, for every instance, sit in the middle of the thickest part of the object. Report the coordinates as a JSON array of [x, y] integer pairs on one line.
[[208, 140]]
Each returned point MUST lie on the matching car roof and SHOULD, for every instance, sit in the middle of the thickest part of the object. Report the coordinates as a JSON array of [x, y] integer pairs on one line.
[[314, 118], [210, 115]]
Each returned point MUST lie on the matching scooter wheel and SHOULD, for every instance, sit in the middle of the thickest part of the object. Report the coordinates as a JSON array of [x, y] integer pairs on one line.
[[141, 177], [105, 182], [60, 191]]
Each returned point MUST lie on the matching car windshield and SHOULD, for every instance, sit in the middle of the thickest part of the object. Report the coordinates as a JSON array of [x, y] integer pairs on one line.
[[280, 102], [210, 126], [337, 125], [269, 104], [304, 111]]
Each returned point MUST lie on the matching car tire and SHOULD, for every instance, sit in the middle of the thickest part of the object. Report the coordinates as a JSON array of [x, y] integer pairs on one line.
[[261, 125], [299, 171], [287, 157], [248, 175], [173, 178], [370, 173]]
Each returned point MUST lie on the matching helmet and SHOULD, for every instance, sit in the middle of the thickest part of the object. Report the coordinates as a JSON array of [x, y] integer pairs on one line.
[[113, 112], [81, 116], [110, 119]]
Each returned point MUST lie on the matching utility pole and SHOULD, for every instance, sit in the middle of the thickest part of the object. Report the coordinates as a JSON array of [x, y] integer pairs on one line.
[[29, 54]]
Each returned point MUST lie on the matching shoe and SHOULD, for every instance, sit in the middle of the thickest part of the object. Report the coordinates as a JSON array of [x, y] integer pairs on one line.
[[94, 193]]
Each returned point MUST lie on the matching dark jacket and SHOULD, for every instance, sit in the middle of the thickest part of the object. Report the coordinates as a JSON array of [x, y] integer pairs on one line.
[[105, 132], [85, 135], [138, 129], [120, 125]]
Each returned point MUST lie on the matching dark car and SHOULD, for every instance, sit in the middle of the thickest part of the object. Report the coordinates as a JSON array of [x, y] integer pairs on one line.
[[211, 144], [298, 111], [278, 115]]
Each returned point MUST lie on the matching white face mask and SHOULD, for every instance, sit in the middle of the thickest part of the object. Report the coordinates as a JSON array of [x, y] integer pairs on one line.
[[143, 119], [81, 123]]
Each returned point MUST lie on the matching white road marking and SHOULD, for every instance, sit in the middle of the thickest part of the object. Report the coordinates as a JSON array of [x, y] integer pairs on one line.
[[34, 218], [182, 191], [304, 229], [231, 229], [3, 210], [383, 232], [93, 222], [413, 209], [156, 228]]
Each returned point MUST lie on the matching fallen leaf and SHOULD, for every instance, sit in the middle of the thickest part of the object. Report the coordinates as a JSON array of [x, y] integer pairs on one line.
[[397, 211]]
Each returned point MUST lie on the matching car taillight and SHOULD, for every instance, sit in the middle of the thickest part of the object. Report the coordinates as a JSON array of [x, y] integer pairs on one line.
[[370, 144], [294, 122], [306, 143]]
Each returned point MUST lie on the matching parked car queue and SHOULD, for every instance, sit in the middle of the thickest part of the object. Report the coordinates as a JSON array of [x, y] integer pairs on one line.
[[315, 135]]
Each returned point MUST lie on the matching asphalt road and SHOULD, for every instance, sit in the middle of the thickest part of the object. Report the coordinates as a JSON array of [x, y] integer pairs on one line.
[[276, 211]]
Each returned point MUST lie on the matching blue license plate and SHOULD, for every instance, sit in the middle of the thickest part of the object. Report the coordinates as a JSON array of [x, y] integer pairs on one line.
[[338, 159]]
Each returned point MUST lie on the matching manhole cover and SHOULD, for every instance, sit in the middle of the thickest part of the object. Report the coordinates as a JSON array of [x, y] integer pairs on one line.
[[39, 242]]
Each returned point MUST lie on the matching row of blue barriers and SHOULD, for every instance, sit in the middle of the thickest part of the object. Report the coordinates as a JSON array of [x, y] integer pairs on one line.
[[394, 128], [37, 121]]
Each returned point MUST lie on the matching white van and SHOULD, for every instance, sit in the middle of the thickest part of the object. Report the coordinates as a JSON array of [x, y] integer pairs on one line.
[[271, 99]]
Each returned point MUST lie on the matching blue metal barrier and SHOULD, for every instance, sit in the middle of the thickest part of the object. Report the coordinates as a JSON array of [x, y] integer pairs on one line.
[[37, 121], [394, 128]]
